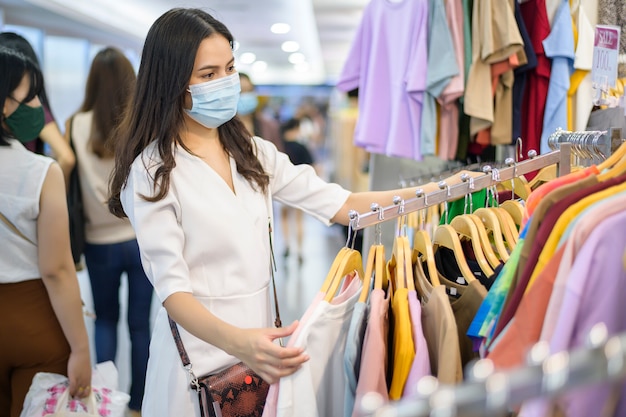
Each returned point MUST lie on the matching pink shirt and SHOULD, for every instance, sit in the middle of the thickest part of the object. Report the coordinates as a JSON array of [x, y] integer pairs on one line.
[[421, 362]]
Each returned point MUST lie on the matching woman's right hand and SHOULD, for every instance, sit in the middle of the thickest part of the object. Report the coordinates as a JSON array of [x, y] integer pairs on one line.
[[79, 373], [269, 360]]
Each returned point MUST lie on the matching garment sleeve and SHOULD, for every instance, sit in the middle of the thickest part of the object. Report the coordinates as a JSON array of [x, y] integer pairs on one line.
[[159, 233], [299, 186], [351, 72]]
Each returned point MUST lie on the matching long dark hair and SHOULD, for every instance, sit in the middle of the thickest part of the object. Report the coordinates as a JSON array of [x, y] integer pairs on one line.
[[109, 86], [156, 111], [13, 66]]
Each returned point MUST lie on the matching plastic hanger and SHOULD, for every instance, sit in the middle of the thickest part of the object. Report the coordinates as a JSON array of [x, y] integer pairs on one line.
[[446, 236], [515, 210], [492, 224], [614, 158], [509, 230], [350, 263], [485, 243], [466, 227], [381, 279], [369, 271], [423, 250]]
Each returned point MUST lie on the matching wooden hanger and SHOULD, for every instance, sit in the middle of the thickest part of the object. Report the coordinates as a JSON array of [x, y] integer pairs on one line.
[[423, 247], [515, 210], [333, 268], [369, 271], [350, 263], [381, 279], [614, 158], [446, 236], [492, 224], [395, 265], [522, 187], [485, 243], [618, 168], [509, 230], [466, 227], [545, 174], [407, 263]]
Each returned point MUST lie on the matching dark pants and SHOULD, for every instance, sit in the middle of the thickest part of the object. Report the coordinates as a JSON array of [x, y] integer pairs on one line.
[[105, 265], [31, 341]]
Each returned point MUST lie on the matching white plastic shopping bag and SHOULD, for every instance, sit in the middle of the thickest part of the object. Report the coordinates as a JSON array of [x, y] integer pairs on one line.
[[49, 396]]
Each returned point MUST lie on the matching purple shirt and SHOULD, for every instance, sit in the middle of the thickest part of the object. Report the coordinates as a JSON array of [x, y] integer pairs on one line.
[[387, 62], [595, 293]]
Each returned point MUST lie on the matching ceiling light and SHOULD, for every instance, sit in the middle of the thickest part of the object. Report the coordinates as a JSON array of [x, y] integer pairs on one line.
[[247, 58], [259, 66], [280, 28], [297, 58], [301, 67], [290, 46]]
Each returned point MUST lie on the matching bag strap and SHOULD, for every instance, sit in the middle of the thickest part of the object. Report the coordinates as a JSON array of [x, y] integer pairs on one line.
[[15, 229]]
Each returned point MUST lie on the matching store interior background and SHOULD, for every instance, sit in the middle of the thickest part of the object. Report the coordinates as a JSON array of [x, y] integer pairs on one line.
[[66, 34]]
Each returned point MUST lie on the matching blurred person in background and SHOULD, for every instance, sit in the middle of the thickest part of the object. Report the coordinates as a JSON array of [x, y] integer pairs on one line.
[[42, 327], [298, 154], [50, 134], [111, 247], [250, 113]]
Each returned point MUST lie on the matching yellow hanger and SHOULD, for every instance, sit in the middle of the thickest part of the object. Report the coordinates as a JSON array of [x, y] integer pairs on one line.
[[446, 236], [545, 174], [485, 243], [492, 224], [381, 279], [395, 265], [515, 210], [522, 187], [407, 263], [369, 270], [614, 158], [350, 263], [333, 268], [509, 230], [616, 169], [423, 248], [466, 227]]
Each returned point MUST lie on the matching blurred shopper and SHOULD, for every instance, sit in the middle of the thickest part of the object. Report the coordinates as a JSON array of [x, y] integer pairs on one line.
[[250, 113], [298, 154], [50, 134], [111, 248], [41, 327]]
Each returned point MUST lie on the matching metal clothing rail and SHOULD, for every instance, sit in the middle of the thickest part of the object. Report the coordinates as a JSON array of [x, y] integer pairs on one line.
[[492, 393], [561, 157]]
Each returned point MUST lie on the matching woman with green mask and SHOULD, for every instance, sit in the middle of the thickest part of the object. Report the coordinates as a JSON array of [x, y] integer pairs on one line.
[[40, 301]]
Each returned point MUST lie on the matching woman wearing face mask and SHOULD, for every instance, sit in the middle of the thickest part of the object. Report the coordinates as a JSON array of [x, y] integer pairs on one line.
[[40, 301], [252, 118], [50, 133], [197, 189]]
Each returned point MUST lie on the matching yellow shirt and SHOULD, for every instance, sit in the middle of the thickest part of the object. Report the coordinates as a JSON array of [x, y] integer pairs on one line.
[[403, 347]]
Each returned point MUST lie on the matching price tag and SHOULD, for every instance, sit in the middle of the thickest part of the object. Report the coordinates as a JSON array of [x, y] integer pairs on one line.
[[605, 56]]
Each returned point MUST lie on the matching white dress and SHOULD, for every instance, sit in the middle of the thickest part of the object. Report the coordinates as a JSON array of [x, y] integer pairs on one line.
[[204, 239]]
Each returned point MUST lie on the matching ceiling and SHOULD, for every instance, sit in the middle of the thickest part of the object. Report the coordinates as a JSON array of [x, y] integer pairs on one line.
[[324, 29]]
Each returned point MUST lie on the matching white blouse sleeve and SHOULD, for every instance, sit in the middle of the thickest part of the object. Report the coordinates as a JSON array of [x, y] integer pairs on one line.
[[159, 234], [298, 185]]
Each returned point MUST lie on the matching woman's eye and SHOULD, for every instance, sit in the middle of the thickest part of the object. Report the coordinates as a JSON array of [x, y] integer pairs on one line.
[[231, 68]]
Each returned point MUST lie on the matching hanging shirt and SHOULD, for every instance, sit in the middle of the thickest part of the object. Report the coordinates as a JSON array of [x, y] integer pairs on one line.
[[525, 327], [441, 67], [559, 47], [403, 348], [421, 362], [538, 26], [449, 113], [441, 335], [352, 355], [374, 356], [595, 293], [588, 221], [318, 387], [386, 62]]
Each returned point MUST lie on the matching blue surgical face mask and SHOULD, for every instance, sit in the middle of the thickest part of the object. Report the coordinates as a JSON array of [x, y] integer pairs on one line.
[[247, 103], [215, 102]]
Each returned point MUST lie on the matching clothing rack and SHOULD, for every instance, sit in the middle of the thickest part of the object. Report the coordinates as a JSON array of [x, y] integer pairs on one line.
[[492, 393], [561, 157]]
